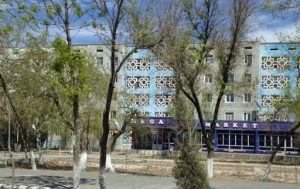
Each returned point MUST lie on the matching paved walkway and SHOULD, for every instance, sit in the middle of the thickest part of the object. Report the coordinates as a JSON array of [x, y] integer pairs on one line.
[[63, 180]]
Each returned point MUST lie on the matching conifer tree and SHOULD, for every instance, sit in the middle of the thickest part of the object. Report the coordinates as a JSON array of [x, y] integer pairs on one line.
[[189, 171]]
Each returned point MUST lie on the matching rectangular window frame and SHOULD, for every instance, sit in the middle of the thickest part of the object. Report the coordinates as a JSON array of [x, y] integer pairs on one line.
[[229, 116], [208, 78], [229, 98], [247, 98], [248, 59], [247, 116], [230, 78], [100, 60], [209, 97]]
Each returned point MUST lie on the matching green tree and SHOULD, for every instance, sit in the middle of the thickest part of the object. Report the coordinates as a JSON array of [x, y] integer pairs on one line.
[[189, 171], [71, 80]]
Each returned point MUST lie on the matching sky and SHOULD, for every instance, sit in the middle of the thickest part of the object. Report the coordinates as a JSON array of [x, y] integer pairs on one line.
[[267, 26], [263, 26]]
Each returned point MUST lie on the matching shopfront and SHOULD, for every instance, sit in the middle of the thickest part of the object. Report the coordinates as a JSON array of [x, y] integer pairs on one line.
[[230, 136]]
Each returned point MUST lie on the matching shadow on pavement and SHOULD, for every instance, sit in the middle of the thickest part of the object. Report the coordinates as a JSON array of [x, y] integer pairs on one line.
[[47, 181]]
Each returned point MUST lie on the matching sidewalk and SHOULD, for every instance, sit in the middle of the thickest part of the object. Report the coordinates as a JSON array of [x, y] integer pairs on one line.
[[63, 180]]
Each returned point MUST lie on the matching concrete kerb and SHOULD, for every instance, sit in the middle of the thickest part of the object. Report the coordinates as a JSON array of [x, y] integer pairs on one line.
[[3, 186]]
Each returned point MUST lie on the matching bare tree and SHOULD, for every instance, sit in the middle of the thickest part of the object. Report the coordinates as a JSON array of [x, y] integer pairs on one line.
[[188, 54], [115, 21]]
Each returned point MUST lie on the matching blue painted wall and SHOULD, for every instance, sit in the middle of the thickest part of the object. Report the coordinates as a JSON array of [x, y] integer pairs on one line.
[[288, 50], [152, 90]]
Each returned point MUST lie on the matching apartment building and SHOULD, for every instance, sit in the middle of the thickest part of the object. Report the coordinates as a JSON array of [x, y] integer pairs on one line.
[[262, 73]]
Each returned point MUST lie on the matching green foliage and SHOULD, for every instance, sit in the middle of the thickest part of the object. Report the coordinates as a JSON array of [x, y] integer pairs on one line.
[[70, 68], [290, 104], [189, 171]]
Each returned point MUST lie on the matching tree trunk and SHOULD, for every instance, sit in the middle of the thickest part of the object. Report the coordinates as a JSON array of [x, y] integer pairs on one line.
[[105, 124], [267, 172], [102, 183], [32, 158], [103, 150], [77, 156], [76, 170], [108, 164], [41, 156], [210, 160], [10, 152], [26, 155], [88, 148], [40, 149]]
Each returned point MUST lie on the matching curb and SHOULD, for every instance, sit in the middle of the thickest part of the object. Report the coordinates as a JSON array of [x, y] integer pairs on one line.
[[5, 186]]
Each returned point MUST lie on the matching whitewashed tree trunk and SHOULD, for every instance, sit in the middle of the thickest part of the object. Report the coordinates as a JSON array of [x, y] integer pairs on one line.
[[26, 156], [78, 166], [4, 158], [108, 164], [41, 156], [72, 143], [264, 178], [32, 157], [210, 167], [83, 161], [76, 174], [40, 148]]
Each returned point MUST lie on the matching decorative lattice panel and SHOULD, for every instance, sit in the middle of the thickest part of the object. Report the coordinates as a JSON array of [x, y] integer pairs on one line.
[[138, 64], [268, 100], [138, 100], [163, 100], [161, 65], [138, 82], [275, 63], [165, 82], [275, 82]]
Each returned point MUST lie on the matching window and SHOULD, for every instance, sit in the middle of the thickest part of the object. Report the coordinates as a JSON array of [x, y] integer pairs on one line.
[[274, 49], [248, 59], [248, 47], [292, 48], [209, 59], [248, 78], [208, 78], [100, 60], [113, 114], [247, 116], [116, 78], [247, 97], [209, 97], [114, 97], [99, 50], [229, 116], [230, 78], [116, 62], [229, 98]]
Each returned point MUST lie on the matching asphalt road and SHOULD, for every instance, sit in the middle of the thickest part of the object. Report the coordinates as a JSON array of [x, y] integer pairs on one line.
[[63, 180]]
